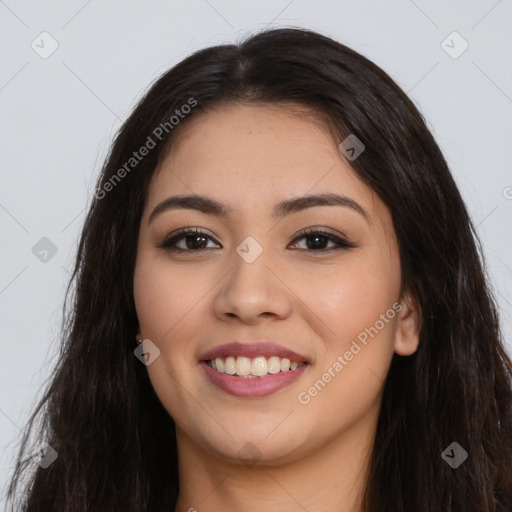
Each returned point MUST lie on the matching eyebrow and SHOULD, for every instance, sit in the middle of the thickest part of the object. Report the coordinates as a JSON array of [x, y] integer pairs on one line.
[[211, 206]]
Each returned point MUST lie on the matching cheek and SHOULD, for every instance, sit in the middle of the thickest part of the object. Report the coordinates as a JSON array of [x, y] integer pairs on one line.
[[167, 303], [165, 297], [356, 302], [350, 297]]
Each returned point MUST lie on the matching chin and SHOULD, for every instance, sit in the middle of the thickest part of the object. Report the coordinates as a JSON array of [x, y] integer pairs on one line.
[[255, 446]]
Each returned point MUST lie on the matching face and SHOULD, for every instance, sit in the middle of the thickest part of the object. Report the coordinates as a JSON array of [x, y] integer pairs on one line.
[[328, 298]]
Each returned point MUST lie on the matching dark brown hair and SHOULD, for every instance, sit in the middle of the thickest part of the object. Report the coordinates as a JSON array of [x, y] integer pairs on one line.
[[115, 441]]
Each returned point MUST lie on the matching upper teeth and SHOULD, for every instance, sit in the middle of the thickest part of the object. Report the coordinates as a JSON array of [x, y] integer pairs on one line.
[[258, 366]]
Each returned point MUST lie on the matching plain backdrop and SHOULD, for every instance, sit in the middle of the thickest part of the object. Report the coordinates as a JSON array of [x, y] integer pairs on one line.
[[59, 112]]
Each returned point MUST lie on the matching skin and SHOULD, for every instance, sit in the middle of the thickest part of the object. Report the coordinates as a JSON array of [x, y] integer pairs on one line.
[[309, 456]]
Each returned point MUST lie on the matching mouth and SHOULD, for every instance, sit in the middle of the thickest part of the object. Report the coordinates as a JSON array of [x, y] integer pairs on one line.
[[253, 368]]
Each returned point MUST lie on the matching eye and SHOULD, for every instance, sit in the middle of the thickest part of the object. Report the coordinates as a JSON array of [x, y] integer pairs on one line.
[[195, 240], [318, 238]]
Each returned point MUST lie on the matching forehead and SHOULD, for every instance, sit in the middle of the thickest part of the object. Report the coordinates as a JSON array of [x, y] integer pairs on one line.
[[252, 156]]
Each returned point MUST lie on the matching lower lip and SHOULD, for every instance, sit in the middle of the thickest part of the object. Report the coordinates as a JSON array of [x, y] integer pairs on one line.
[[253, 387]]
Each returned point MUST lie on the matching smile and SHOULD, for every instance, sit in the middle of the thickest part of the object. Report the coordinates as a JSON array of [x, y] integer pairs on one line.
[[253, 368]]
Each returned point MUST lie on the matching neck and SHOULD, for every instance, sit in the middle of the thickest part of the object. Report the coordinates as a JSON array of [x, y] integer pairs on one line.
[[330, 478]]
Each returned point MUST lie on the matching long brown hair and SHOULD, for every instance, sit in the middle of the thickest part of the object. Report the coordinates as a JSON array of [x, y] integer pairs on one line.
[[115, 441]]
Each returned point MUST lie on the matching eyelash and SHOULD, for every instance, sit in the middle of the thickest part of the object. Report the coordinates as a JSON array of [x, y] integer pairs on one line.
[[168, 243]]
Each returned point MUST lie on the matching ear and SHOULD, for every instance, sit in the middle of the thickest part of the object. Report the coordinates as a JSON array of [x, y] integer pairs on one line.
[[408, 326], [137, 335]]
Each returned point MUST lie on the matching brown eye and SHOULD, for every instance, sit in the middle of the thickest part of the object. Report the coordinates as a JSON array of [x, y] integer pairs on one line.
[[317, 240], [194, 240]]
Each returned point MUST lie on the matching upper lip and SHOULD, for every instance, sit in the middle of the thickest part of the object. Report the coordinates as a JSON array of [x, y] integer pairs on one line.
[[251, 350]]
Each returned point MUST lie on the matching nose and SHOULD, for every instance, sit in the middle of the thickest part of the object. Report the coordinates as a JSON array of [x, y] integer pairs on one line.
[[252, 290]]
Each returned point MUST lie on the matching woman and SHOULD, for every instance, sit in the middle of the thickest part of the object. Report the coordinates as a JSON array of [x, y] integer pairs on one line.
[[280, 302]]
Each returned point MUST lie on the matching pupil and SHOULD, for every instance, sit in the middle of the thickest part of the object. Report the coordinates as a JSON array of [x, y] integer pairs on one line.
[[195, 238], [316, 238]]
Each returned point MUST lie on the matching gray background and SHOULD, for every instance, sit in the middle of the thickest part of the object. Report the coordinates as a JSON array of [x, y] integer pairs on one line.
[[58, 115]]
